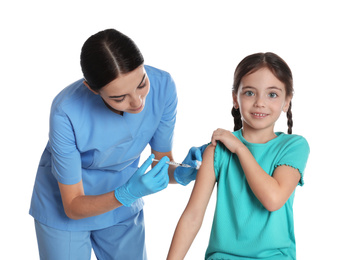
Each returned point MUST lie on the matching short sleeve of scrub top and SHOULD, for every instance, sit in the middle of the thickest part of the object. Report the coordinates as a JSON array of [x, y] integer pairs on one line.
[[65, 157], [163, 135]]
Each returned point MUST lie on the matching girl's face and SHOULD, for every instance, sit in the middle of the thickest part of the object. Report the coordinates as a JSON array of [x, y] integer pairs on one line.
[[127, 93], [261, 98]]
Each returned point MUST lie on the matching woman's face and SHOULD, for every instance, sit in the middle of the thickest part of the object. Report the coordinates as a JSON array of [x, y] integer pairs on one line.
[[128, 92]]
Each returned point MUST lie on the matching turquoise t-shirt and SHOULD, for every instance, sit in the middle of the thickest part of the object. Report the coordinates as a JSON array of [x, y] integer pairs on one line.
[[89, 142], [242, 228]]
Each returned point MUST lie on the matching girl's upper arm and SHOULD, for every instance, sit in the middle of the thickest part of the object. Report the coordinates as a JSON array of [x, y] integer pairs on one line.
[[204, 185]]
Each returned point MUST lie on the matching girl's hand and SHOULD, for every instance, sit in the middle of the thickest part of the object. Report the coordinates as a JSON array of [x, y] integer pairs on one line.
[[227, 138]]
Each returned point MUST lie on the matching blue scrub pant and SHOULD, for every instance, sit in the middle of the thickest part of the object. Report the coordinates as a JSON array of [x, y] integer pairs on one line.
[[125, 240]]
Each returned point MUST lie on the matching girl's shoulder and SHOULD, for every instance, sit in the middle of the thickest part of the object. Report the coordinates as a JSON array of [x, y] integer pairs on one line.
[[291, 140]]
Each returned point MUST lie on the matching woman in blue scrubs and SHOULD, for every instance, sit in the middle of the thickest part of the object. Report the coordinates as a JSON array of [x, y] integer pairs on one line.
[[88, 189]]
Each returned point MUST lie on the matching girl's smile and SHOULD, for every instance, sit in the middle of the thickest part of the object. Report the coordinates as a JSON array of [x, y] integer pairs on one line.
[[259, 115]]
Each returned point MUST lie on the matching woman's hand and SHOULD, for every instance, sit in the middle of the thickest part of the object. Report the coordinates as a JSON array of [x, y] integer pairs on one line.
[[142, 184], [185, 175], [226, 137]]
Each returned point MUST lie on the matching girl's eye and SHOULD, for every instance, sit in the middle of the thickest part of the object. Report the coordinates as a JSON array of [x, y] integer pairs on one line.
[[273, 95], [249, 93]]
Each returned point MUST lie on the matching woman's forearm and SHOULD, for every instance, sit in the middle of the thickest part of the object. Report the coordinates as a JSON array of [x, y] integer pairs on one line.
[[172, 169], [85, 206], [77, 205]]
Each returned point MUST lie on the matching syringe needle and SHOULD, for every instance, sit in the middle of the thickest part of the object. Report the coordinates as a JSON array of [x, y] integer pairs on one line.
[[178, 164]]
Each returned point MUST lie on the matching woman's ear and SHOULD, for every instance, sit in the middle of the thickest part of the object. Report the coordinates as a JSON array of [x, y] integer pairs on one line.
[[85, 83]]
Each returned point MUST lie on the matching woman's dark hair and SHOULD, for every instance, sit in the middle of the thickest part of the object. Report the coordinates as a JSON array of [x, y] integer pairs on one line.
[[280, 70], [106, 55]]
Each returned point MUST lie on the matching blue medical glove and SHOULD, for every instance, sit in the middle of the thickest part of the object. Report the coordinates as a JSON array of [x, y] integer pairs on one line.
[[142, 184], [185, 175]]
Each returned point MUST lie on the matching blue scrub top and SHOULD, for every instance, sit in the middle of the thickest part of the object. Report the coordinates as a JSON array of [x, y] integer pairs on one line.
[[89, 142]]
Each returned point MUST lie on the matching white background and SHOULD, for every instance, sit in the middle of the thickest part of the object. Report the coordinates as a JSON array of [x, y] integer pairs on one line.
[[199, 43]]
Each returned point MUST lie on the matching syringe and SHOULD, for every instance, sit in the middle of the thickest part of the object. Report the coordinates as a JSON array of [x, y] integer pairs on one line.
[[181, 164]]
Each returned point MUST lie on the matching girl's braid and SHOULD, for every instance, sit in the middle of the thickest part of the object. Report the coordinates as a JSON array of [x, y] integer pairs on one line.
[[289, 119], [237, 119]]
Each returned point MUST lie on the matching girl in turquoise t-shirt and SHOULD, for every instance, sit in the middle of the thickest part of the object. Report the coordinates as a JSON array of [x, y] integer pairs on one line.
[[256, 169]]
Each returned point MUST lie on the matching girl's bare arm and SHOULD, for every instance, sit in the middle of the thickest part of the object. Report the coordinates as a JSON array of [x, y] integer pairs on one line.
[[192, 217]]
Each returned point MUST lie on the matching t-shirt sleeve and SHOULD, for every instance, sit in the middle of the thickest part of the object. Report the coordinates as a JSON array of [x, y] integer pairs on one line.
[[217, 160], [163, 137], [221, 159], [65, 158], [295, 154]]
